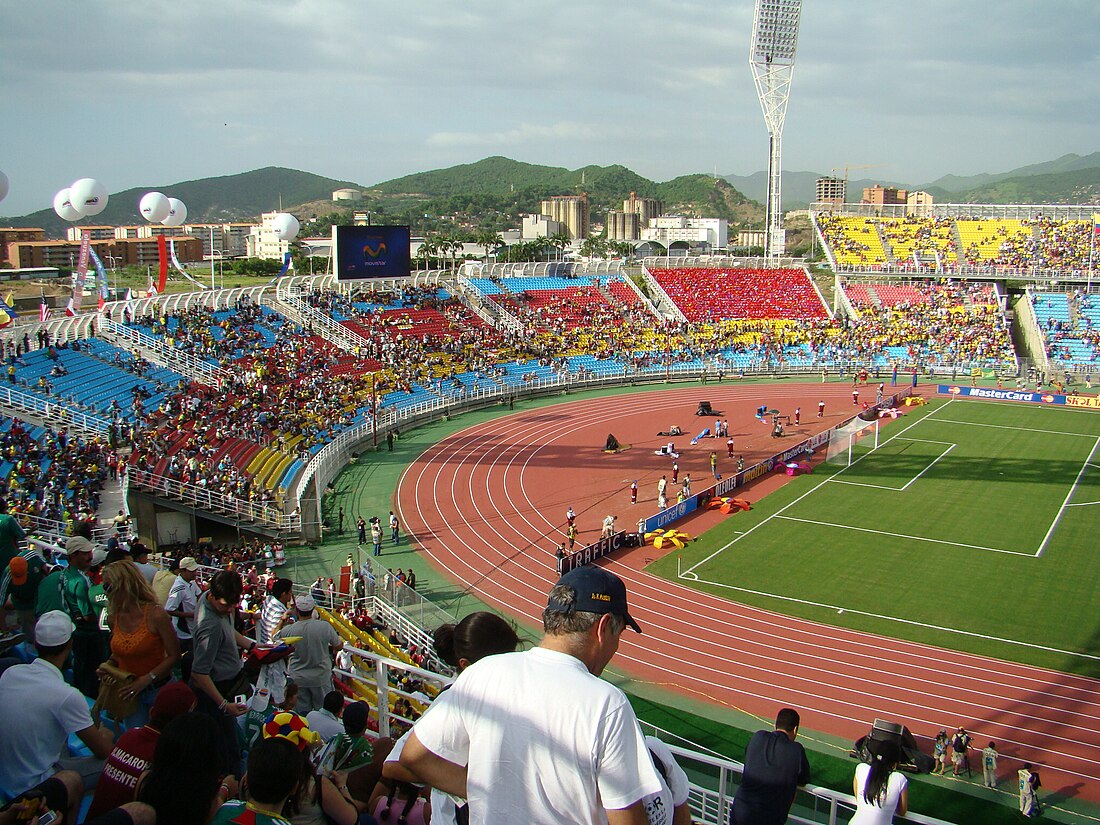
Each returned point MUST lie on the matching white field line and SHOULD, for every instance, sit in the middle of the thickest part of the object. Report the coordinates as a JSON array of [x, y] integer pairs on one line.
[[1006, 427], [864, 484], [787, 506], [1069, 495], [916, 623], [929, 467], [905, 536]]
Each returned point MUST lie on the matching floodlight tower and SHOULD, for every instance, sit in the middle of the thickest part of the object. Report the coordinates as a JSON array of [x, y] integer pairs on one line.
[[774, 37]]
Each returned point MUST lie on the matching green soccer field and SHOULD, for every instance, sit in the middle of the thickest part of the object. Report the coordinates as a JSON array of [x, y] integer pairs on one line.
[[971, 525]]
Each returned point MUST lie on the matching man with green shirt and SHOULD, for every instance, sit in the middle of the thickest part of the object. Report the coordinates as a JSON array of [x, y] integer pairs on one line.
[[19, 583], [10, 536], [89, 650]]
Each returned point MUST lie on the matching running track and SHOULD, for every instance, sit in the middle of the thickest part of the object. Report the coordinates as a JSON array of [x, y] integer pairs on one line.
[[487, 506]]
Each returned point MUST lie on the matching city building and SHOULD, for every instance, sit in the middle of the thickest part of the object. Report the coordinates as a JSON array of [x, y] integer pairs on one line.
[[571, 211], [623, 226], [831, 191], [879, 195], [262, 241], [645, 208], [96, 233], [919, 203], [748, 238], [15, 234], [670, 229], [114, 252], [539, 226]]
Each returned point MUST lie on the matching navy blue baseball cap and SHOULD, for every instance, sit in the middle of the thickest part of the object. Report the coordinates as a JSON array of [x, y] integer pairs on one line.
[[597, 591]]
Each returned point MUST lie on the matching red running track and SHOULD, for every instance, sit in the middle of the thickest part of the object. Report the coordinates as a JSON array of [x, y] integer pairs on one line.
[[487, 506]]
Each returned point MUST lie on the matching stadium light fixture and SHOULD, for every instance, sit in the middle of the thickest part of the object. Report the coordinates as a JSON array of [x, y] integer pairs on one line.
[[774, 40]]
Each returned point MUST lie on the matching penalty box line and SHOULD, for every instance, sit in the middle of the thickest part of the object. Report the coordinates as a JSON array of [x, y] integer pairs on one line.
[[916, 623], [907, 536], [787, 506]]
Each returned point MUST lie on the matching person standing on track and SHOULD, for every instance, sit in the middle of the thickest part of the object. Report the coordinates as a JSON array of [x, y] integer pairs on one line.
[[820, 409], [675, 471], [608, 527], [797, 416], [855, 397], [634, 492], [729, 447], [714, 465], [661, 486]]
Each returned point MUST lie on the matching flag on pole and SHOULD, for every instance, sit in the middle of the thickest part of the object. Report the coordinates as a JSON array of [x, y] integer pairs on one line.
[[70, 309], [129, 294], [5, 319], [9, 306], [43, 310]]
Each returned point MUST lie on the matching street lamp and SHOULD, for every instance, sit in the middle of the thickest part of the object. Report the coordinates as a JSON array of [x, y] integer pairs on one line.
[[113, 261], [219, 255]]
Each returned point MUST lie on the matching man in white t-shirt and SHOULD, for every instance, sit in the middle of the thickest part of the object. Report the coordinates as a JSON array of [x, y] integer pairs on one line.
[[512, 720], [38, 711], [182, 604]]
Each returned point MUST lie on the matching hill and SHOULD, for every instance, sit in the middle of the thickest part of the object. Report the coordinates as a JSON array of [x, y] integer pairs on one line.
[[515, 187], [1077, 186], [1066, 163], [1065, 180], [228, 198]]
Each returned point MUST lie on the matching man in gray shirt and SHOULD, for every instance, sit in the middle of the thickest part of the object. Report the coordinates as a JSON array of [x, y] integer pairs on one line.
[[311, 661], [216, 675]]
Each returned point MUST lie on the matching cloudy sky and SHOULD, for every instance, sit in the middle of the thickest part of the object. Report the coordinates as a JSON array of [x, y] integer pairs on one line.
[[151, 93]]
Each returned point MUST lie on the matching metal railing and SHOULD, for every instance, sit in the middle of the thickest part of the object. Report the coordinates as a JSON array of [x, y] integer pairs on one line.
[[59, 414], [212, 501], [164, 353], [713, 781], [289, 303]]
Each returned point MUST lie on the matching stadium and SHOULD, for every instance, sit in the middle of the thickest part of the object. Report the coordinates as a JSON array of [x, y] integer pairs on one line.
[[1000, 505], [863, 485]]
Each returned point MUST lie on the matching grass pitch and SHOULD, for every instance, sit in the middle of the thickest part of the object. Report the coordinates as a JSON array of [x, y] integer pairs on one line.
[[973, 525]]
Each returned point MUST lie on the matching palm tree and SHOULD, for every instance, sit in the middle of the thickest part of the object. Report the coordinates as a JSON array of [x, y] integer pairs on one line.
[[559, 240], [428, 249], [489, 241], [594, 247]]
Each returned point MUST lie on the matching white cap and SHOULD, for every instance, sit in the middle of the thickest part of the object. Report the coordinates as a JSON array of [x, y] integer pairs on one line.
[[305, 604], [53, 629]]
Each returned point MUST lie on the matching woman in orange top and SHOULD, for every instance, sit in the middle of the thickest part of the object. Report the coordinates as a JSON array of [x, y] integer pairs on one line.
[[143, 641]]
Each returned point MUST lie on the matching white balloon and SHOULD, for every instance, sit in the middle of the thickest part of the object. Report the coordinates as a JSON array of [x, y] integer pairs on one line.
[[177, 213], [3, 186], [154, 207], [88, 196], [285, 226], [64, 208]]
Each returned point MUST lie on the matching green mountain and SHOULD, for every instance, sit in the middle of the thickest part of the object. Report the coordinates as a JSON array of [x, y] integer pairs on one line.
[[228, 198], [1077, 186], [511, 187], [1066, 163]]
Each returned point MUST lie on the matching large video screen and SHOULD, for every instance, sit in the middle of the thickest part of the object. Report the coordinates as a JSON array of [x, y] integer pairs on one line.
[[371, 252]]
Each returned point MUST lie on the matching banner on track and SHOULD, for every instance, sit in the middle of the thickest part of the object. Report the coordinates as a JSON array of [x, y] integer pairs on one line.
[[604, 547]]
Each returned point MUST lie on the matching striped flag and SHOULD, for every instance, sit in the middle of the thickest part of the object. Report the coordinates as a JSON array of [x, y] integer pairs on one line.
[[9, 306], [70, 309], [43, 310]]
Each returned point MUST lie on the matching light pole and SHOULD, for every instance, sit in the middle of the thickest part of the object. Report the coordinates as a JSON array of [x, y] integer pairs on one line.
[[113, 261], [211, 227], [774, 39], [218, 254]]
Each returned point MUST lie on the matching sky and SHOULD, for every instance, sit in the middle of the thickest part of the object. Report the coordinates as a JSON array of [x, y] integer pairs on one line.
[[152, 93]]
